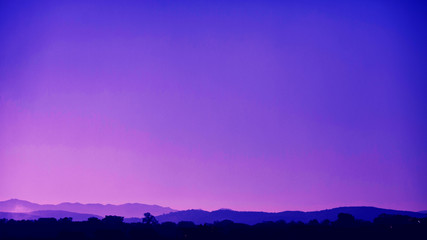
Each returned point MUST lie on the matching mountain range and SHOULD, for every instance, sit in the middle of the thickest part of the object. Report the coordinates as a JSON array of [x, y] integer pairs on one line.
[[127, 210], [19, 210]]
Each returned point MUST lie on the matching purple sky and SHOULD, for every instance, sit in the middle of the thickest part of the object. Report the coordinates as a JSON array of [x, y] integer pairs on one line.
[[249, 106]]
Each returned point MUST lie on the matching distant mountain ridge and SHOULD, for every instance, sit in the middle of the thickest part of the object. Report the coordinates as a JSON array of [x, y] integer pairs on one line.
[[127, 210], [200, 216]]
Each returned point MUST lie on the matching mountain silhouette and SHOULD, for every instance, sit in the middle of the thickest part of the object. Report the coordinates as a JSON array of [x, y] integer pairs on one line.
[[19, 209], [127, 210]]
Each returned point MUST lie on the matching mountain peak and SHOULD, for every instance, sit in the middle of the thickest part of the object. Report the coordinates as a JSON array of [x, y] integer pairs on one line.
[[15, 200]]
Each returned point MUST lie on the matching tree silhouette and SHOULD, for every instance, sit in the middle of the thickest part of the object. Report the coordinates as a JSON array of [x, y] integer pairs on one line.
[[345, 219], [113, 219], [65, 220], [313, 222], [149, 219], [93, 220]]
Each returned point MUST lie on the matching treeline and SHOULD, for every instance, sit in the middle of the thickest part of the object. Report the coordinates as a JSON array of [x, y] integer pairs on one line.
[[113, 227]]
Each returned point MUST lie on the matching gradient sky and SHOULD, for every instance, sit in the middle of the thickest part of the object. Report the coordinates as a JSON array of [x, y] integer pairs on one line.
[[261, 105]]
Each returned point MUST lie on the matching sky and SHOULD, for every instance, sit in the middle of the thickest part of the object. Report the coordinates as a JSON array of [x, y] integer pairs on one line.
[[247, 105]]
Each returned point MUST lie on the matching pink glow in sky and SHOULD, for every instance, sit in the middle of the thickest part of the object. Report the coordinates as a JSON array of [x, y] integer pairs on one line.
[[250, 106]]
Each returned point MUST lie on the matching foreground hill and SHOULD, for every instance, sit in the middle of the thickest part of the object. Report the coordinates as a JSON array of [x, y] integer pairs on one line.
[[345, 227], [128, 210], [200, 216]]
